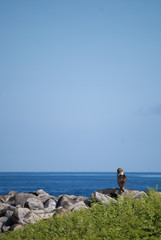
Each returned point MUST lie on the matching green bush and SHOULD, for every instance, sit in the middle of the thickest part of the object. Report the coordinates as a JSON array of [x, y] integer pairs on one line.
[[128, 219]]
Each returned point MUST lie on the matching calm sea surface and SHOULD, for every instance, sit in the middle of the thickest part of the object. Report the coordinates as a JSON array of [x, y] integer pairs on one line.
[[77, 183]]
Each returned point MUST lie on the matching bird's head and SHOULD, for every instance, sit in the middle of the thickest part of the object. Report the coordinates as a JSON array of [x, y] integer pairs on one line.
[[120, 171]]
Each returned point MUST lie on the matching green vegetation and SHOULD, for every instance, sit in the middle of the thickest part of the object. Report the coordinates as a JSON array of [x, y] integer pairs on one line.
[[128, 219]]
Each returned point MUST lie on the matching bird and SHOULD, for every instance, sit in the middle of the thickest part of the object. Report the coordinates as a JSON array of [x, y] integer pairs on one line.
[[121, 179]]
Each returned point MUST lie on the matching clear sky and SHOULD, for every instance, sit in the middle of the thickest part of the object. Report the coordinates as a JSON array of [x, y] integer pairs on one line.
[[80, 85]]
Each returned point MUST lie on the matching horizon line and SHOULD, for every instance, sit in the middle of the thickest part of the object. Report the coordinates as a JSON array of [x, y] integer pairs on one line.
[[77, 171]]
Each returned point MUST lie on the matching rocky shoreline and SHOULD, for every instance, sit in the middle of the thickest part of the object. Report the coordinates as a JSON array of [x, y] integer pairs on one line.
[[20, 209]]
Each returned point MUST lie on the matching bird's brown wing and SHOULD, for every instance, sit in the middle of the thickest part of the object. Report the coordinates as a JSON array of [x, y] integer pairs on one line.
[[121, 181]]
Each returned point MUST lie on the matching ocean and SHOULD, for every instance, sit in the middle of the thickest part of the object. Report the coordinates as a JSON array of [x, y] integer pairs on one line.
[[76, 183]]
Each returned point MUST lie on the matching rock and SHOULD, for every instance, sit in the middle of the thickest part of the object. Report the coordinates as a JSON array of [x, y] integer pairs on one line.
[[21, 198], [115, 192], [99, 197], [4, 207], [43, 196], [3, 219], [81, 198], [33, 203], [9, 213], [1, 224], [71, 203], [19, 215], [11, 200], [62, 211], [5, 228], [50, 205], [46, 215], [84, 199], [111, 192], [3, 198], [41, 192], [12, 193], [65, 201], [16, 227], [31, 217], [7, 225], [140, 194], [78, 206], [39, 211]]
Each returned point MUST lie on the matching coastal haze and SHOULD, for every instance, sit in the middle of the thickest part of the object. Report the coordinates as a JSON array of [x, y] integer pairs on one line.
[[80, 87]]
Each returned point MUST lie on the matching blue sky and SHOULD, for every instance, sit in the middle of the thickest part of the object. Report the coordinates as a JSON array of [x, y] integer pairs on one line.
[[80, 85]]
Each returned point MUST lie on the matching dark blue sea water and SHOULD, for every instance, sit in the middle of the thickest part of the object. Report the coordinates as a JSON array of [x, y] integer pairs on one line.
[[77, 183]]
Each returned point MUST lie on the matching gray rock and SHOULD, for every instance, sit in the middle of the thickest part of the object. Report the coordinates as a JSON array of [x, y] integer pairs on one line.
[[115, 192], [34, 203], [12, 193], [50, 205], [46, 215], [78, 206], [41, 192], [3, 219], [21, 198], [140, 194], [71, 202], [19, 215], [62, 211], [3, 198], [16, 227], [4, 207], [81, 198], [31, 217], [1, 224], [9, 213], [7, 225], [43, 196], [65, 201], [99, 197], [111, 192], [39, 211]]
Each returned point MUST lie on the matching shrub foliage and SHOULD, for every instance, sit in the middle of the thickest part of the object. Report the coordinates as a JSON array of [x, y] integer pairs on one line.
[[126, 219]]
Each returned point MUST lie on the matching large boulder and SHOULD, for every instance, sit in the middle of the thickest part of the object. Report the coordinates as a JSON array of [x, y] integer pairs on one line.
[[65, 201], [21, 198], [9, 213], [78, 206], [3, 219], [19, 215], [99, 197], [115, 192], [140, 194], [46, 215], [4, 207], [7, 224], [71, 203], [62, 211], [31, 217], [34, 203], [50, 205], [43, 196]]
